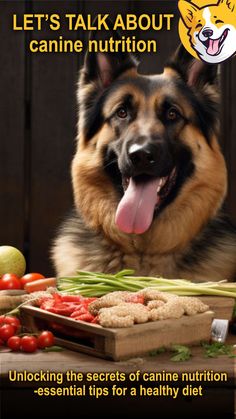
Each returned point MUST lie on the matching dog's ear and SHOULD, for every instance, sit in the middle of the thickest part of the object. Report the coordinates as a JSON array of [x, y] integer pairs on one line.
[[196, 73], [187, 11], [230, 4], [104, 67]]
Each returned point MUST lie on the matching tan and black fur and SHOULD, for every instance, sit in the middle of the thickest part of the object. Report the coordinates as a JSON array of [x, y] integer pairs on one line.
[[189, 236]]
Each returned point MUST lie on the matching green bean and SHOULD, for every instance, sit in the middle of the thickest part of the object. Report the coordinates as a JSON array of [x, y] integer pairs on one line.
[[96, 284]]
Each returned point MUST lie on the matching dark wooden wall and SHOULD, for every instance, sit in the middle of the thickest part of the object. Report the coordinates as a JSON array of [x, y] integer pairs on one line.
[[38, 123]]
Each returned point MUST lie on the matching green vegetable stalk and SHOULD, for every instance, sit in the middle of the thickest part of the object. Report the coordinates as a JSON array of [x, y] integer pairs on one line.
[[95, 284]]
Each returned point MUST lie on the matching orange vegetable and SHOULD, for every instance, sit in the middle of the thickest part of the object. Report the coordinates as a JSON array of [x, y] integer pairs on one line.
[[40, 284]]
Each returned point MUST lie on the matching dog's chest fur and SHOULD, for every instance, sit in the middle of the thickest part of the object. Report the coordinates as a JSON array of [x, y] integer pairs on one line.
[[98, 254], [210, 257]]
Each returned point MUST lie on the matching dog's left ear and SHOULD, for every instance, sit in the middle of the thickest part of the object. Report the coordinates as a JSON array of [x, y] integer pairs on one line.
[[104, 67], [187, 11], [196, 73]]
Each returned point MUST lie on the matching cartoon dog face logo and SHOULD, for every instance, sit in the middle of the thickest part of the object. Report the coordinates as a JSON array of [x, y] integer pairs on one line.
[[211, 29]]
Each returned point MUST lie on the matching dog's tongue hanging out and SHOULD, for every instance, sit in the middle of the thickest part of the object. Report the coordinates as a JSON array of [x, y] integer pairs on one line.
[[135, 210], [213, 47]]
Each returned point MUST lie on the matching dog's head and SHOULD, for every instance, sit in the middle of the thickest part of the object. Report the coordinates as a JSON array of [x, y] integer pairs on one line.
[[147, 150], [211, 29]]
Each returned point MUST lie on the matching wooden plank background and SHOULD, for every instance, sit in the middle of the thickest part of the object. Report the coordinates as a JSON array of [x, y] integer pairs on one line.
[[12, 129], [38, 122]]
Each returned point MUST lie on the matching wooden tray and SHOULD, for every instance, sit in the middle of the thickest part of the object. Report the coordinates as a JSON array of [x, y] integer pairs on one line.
[[122, 343], [222, 306]]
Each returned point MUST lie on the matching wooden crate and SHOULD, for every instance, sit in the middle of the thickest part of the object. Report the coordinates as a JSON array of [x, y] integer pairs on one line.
[[122, 343], [222, 306]]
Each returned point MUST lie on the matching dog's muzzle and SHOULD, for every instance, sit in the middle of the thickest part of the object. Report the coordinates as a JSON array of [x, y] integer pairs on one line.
[[152, 158], [148, 176]]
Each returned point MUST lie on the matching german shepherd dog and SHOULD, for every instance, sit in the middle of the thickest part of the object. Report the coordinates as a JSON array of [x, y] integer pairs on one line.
[[148, 176]]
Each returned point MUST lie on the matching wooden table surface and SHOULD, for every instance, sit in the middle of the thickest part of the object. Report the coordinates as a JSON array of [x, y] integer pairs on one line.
[[69, 360]]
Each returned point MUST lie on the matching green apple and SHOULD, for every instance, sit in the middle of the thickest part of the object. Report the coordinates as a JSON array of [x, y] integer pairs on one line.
[[11, 261]]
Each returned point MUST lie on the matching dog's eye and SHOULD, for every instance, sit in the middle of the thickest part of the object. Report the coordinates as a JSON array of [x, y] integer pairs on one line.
[[121, 112], [172, 114], [218, 21], [199, 25]]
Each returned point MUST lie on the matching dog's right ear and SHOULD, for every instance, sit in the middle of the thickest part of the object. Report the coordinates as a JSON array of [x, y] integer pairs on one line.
[[196, 73], [230, 4], [187, 11], [104, 67]]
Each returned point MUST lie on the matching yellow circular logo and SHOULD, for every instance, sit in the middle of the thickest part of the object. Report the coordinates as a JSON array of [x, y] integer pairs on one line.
[[207, 29]]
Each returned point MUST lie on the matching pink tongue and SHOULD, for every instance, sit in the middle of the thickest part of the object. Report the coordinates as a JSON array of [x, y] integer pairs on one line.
[[135, 210], [213, 47]]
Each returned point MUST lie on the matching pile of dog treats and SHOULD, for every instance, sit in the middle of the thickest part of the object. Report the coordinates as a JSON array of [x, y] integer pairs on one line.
[[123, 308]]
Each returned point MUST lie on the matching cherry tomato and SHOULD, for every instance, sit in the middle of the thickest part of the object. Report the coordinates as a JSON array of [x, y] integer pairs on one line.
[[6, 331], [45, 339], [10, 282], [30, 278], [14, 343], [14, 321], [2, 319], [29, 343]]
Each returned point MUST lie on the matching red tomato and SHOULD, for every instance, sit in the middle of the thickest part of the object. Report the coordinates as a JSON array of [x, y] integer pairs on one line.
[[14, 321], [2, 321], [6, 331], [30, 278], [45, 339], [14, 343], [10, 282], [1, 343], [29, 343]]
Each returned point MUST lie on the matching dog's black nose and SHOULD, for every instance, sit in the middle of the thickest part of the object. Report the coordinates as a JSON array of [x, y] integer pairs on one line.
[[147, 157], [207, 33], [142, 157]]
